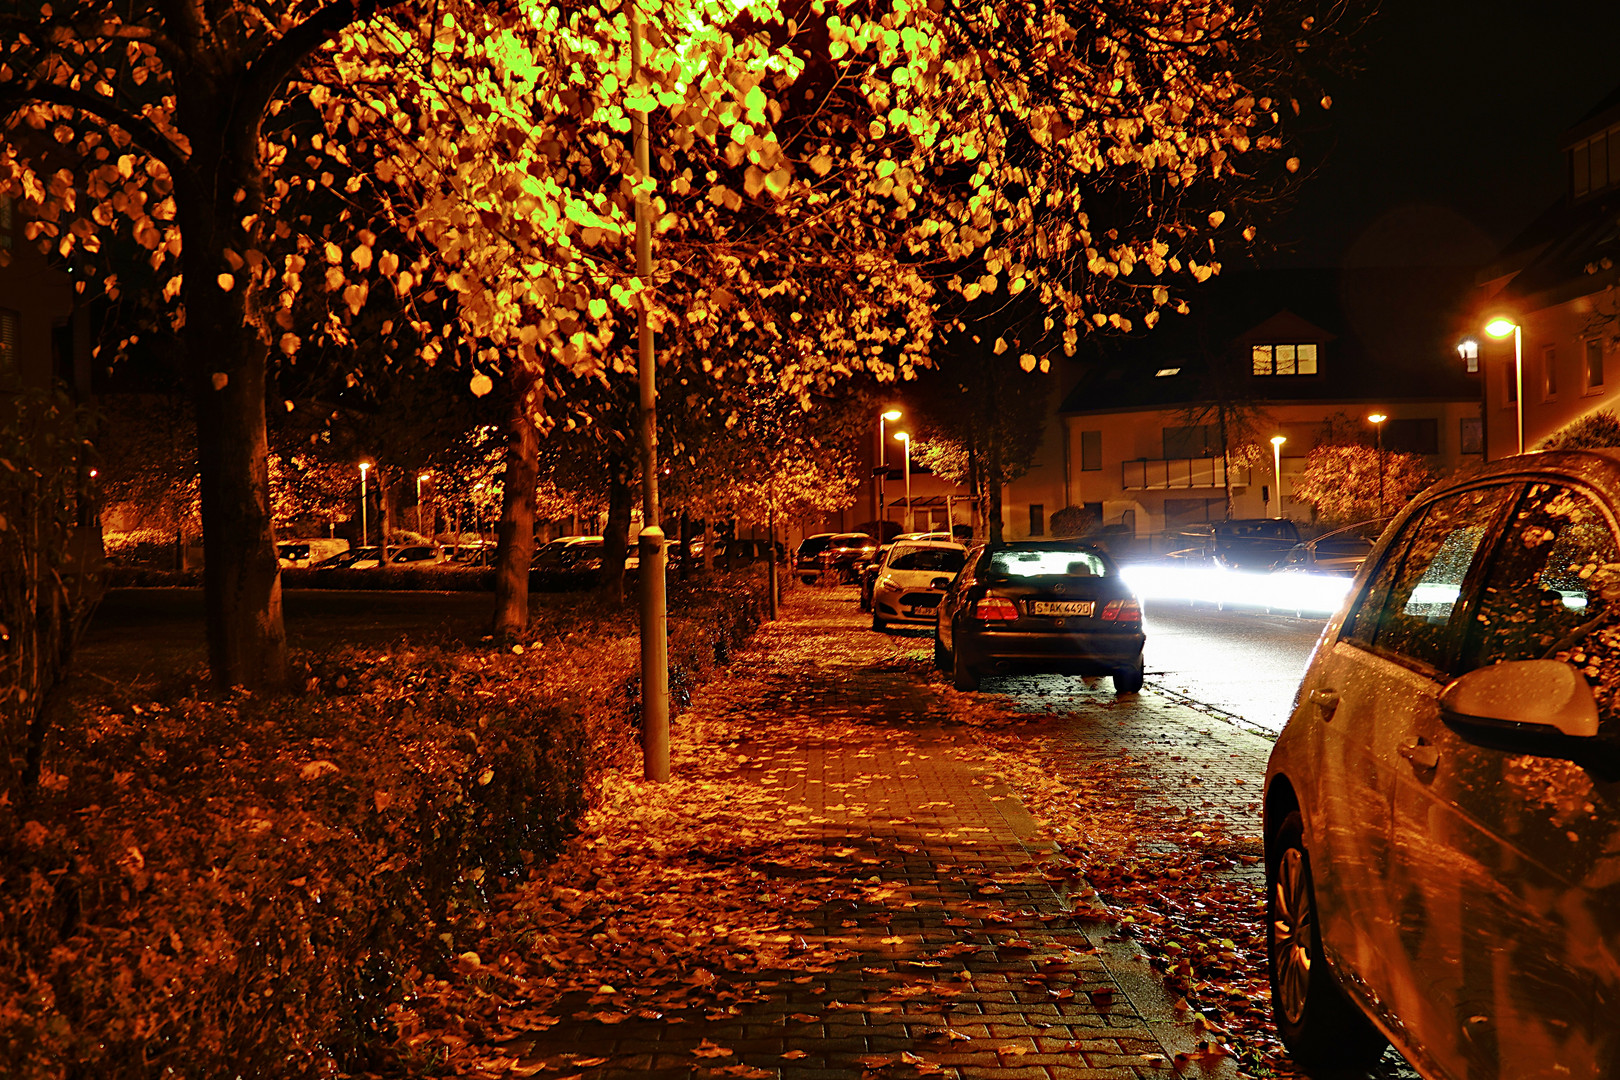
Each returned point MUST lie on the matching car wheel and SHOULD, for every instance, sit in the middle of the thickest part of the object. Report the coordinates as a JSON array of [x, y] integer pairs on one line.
[[1129, 680], [942, 659], [1318, 1024], [879, 623], [963, 677]]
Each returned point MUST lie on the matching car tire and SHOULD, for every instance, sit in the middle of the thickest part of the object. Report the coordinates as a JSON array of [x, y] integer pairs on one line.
[[1321, 1027], [879, 623], [942, 659], [1129, 680], [963, 677]]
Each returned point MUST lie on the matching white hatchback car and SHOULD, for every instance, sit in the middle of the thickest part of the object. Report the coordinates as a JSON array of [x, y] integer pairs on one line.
[[911, 579], [1442, 811]]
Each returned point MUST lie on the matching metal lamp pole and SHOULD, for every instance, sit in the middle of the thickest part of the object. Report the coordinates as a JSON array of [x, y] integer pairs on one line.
[[911, 514], [1500, 327], [1377, 420], [419, 478], [364, 530], [1276, 467], [883, 467], [654, 625]]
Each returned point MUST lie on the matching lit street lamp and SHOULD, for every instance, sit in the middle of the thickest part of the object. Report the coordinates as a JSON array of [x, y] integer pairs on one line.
[[364, 465], [1276, 467], [911, 515], [1377, 420], [883, 467], [1501, 327]]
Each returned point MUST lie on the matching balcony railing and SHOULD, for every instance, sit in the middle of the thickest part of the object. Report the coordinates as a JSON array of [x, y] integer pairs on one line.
[[1170, 474]]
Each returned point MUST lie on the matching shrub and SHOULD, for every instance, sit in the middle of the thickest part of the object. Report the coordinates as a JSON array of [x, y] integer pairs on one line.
[[1594, 431], [206, 888], [1074, 521]]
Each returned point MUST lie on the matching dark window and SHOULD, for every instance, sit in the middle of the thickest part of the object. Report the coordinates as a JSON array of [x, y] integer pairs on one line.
[[1594, 363], [1579, 168], [1037, 519], [10, 372], [1179, 512], [1600, 162], [7, 220], [1473, 435], [1090, 451], [1413, 436], [1547, 577], [1195, 441], [1405, 610]]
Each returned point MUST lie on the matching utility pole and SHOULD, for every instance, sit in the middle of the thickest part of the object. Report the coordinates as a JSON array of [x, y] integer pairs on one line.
[[654, 623]]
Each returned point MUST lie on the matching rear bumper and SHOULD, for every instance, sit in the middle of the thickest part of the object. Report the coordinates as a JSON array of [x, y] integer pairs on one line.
[[1053, 652]]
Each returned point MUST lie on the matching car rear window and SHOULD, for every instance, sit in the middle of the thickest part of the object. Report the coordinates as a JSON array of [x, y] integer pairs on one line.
[[945, 560], [815, 545], [1047, 563]]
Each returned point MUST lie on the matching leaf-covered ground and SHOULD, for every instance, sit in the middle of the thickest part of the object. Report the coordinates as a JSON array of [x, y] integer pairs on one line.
[[858, 871]]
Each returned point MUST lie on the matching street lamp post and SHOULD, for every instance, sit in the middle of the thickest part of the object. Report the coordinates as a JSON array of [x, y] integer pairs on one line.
[[419, 478], [1377, 420], [883, 468], [364, 465], [911, 515], [1500, 327], [1276, 467]]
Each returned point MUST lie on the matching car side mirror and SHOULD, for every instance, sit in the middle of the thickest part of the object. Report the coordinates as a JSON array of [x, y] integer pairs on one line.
[[1522, 694], [941, 583], [1539, 707]]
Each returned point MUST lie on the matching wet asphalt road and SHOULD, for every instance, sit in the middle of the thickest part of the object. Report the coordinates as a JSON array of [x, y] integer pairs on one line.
[[1244, 663]]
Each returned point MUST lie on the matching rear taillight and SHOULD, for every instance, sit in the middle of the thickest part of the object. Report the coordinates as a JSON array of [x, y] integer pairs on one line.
[[1126, 611], [995, 609]]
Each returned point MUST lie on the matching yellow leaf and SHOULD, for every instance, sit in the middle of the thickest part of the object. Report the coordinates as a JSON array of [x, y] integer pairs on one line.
[[1027, 362], [289, 344], [221, 380], [226, 282], [1001, 346], [1216, 218], [480, 384], [1292, 164]]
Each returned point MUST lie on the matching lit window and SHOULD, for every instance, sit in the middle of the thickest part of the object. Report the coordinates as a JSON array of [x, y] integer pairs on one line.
[[1284, 359], [1162, 372], [1594, 364]]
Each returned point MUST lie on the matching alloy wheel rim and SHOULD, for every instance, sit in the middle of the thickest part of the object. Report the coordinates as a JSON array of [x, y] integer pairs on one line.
[[1291, 929]]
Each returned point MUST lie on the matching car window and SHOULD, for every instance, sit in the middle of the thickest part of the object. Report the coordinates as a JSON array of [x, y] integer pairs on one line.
[[945, 560], [1555, 570], [1047, 563], [1406, 608]]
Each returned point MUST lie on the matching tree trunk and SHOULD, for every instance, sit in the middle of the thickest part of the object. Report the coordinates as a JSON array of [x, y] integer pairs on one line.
[[616, 535], [515, 539], [686, 545], [992, 486]]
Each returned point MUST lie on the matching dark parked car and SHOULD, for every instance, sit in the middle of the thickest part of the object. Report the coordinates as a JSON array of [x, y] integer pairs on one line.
[[1243, 543], [832, 556], [807, 560], [1040, 606], [1442, 826]]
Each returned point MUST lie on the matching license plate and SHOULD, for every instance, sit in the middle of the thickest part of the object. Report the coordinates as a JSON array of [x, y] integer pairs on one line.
[[1061, 607]]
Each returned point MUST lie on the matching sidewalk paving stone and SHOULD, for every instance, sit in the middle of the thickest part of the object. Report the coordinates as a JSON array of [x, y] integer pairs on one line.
[[955, 955]]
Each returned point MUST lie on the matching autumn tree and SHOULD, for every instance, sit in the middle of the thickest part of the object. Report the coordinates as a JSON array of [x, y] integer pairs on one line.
[[1351, 482]]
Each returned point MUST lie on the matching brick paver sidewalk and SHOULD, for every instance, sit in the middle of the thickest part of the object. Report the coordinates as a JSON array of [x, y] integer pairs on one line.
[[958, 957]]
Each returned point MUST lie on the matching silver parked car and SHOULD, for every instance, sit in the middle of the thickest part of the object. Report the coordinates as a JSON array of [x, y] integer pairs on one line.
[[1442, 811]]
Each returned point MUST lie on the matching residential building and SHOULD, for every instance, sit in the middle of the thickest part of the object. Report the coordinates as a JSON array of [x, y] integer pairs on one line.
[[44, 335], [1557, 281], [1305, 355]]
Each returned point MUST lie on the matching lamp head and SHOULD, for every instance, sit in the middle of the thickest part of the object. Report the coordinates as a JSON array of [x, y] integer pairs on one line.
[[892, 414], [364, 465], [1501, 326], [1377, 418], [1468, 349], [1278, 440], [902, 436]]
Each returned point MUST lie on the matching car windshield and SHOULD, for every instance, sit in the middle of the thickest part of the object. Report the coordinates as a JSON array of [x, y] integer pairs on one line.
[[1048, 562], [1271, 530], [1343, 547], [945, 560]]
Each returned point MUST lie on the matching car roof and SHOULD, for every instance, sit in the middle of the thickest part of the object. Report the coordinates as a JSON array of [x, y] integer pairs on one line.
[[949, 545]]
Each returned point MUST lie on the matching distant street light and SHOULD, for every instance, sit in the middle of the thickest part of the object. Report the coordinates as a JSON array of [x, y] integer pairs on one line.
[[1276, 467], [1377, 420], [364, 465], [1468, 349], [1501, 327], [419, 478], [911, 515], [883, 468]]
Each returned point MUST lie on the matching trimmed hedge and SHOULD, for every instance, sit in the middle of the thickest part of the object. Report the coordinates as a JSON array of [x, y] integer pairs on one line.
[[203, 888]]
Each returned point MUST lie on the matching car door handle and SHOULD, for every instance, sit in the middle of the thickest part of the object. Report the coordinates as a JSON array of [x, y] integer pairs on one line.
[[1326, 700], [1422, 755]]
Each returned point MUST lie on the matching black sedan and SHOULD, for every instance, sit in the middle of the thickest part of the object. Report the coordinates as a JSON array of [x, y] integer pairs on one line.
[[1040, 607]]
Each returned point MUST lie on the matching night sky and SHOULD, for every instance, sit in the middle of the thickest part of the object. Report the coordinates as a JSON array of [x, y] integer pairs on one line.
[[1446, 144]]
